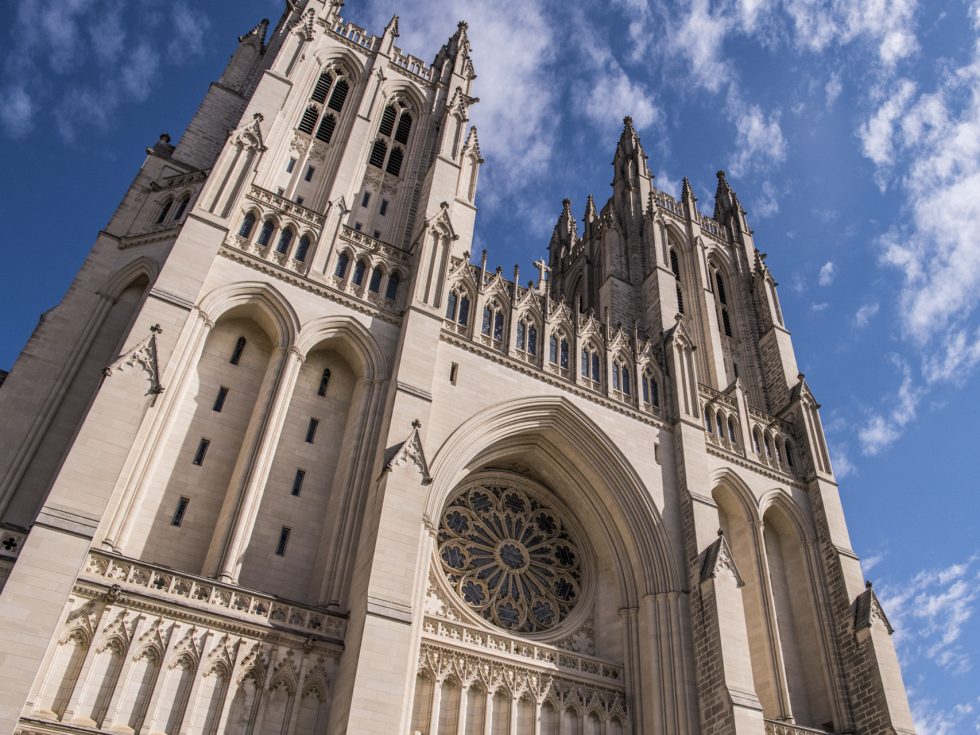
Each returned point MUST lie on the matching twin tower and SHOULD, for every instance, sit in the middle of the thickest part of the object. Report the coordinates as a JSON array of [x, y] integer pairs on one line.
[[285, 461]]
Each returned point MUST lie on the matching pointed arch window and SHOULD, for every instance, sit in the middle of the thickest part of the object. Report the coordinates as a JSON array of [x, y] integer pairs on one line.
[[182, 208], [319, 116], [376, 277], [622, 385], [302, 249], [340, 271], [391, 292], [591, 364], [675, 267], [493, 322], [285, 240], [359, 271], [164, 211], [236, 355], [527, 336], [651, 391], [248, 224], [265, 234], [722, 296], [458, 307], [324, 383], [394, 132]]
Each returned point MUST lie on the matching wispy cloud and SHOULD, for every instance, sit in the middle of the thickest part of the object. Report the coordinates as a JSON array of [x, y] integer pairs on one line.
[[827, 272], [833, 89], [930, 612], [882, 429], [865, 314], [760, 139]]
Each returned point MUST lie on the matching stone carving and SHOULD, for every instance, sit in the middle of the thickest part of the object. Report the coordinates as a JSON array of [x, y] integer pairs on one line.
[[141, 357], [510, 558], [410, 452]]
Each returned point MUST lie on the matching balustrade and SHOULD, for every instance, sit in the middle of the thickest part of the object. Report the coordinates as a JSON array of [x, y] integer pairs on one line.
[[785, 728]]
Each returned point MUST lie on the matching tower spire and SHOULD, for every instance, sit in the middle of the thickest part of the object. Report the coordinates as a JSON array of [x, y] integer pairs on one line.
[[632, 181]]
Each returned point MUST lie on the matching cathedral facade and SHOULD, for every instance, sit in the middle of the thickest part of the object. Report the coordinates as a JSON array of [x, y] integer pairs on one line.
[[287, 459]]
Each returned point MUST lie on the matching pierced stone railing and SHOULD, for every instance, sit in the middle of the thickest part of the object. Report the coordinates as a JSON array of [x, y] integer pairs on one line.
[[563, 660], [412, 64], [355, 34], [199, 592], [785, 728], [367, 244], [285, 207], [710, 395]]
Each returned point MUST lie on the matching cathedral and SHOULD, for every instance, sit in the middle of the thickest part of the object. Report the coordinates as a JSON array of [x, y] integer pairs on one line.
[[290, 459]]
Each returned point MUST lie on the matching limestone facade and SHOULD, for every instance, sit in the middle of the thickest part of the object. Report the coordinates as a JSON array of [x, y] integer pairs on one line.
[[287, 460]]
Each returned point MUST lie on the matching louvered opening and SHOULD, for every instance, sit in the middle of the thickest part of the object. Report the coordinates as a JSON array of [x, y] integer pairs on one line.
[[322, 87], [378, 154], [387, 122], [339, 96], [721, 289], [325, 131], [727, 322], [395, 162], [404, 129], [309, 120], [674, 265]]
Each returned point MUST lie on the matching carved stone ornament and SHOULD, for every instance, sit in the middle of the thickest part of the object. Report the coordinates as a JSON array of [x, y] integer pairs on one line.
[[142, 357], [717, 561], [249, 135], [409, 452]]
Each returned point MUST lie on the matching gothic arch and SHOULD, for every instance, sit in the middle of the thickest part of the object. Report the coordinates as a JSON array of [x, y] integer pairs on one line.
[[360, 344], [779, 498], [115, 284], [349, 62], [401, 89], [726, 479], [632, 520], [280, 320]]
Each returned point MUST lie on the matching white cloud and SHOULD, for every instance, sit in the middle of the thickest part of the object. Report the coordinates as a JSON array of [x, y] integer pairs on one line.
[[930, 611], [826, 276], [190, 29], [870, 562], [766, 205], [958, 354], [865, 314], [843, 466], [700, 39], [833, 89], [877, 133], [931, 719], [760, 139], [17, 112], [822, 306], [884, 429]]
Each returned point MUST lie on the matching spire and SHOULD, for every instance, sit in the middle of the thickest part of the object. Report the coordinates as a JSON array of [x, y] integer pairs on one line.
[[727, 205], [631, 175], [257, 34], [472, 144], [456, 51], [390, 34], [566, 230], [591, 216], [392, 27]]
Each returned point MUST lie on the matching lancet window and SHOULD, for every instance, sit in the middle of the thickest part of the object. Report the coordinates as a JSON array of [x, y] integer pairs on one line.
[[722, 296], [340, 271], [558, 351], [248, 224], [591, 366], [388, 152], [391, 292], [527, 336], [493, 322], [326, 102], [458, 307], [622, 383], [651, 391]]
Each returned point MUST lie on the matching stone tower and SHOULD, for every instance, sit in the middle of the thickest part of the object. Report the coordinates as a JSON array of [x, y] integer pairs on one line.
[[285, 461]]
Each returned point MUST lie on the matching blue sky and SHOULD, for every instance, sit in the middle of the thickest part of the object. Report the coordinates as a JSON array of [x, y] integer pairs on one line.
[[851, 131]]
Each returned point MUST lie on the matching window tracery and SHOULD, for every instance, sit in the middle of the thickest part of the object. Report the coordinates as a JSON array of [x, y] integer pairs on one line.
[[510, 557]]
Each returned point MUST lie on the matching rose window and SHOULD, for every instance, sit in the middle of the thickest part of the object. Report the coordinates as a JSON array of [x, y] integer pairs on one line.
[[510, 558]]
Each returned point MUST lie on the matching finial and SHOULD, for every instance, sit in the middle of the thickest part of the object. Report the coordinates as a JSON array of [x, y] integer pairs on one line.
[[444, 205], [392, 26], [416, 424], [165, 137], [868, 584], [721, 175], [721, 532], [156, 329]]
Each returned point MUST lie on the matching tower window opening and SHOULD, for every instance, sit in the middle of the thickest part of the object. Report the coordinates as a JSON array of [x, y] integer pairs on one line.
[[395, 162], [164, 211], [202, 452], [680, 299], [387, 121], [322, 88], [391, 293], [731, 430], [721, 428], [308, 123], [283, 541], [590, 364], [285, 240], [493, 322], [377, 234], [404, 129], [359, 269], [365, 199], [675, 264], [327, 125], [182, 207], [298, 483], [651, 391], [178, 517], [310, 170], [383, 210], [374, 286], [265, 235], [302, 249], [458, 307], [378, 153], [454, 373], [726, 322], [300, 200], [236, 355], [219, 402], [339, 96], [324, 383], [340, 271], [248, 224], [290, 165], [722, 297], [311, 430]]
